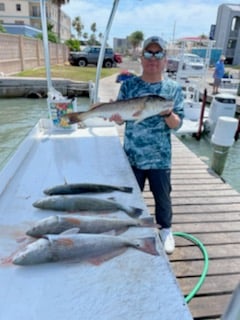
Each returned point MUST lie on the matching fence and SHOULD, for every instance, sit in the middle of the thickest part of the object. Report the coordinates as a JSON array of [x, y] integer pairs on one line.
[[19, 53]]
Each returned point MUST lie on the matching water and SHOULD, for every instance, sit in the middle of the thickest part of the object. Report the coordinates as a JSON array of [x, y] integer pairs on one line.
[[18, 116], [204, 150]]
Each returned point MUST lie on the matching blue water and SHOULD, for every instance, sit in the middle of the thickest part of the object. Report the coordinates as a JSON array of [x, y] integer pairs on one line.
[[18, 116]]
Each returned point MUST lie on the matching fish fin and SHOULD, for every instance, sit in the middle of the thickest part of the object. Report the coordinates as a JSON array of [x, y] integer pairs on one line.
[[105, 257], [70, 231], [96, 105], [137, 114], [147, 245], [134, 212], [148, 222]]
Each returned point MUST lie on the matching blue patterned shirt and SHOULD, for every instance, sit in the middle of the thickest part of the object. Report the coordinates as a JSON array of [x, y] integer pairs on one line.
[[148, 143]]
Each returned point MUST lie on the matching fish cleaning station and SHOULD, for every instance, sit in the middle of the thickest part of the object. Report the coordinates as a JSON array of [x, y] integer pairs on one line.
[[119, 273]]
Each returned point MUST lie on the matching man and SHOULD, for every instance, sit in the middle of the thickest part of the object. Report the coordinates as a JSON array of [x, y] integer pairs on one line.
[[218, 74], [148, 143]]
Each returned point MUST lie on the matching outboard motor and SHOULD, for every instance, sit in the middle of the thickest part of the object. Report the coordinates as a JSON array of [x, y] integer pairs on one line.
[[222, 105]]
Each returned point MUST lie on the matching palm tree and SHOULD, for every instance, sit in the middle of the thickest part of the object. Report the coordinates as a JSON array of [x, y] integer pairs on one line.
[[135, 39], [59, 3], [78, 26]]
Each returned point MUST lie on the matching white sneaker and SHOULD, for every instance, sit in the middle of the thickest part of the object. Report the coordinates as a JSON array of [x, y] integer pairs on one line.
[[167, 240]]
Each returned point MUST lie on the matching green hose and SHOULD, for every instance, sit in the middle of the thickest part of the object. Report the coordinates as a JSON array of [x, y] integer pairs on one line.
[[187, 236]]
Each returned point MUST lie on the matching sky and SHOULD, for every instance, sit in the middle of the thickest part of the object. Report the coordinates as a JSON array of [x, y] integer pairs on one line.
[[170, 19]]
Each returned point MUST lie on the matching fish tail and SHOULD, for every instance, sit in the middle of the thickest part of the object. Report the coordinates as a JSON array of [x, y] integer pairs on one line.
[[126, 189], [134, 212], [74, 117], [148, 222], [147, 245]]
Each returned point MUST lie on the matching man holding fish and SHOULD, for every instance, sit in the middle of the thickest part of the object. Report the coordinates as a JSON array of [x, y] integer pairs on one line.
[[147, 143]]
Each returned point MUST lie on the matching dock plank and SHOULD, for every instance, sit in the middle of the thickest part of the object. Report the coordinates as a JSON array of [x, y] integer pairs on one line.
[[209, 209], [209, 307]]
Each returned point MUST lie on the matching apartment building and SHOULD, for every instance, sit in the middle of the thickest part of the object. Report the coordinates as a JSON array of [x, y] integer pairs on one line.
[[21, 15], [227, 31]]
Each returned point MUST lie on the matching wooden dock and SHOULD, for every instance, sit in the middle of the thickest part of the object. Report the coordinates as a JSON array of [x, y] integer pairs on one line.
[[209, 209]]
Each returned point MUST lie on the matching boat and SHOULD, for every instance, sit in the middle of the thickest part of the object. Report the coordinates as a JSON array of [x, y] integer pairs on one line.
[[200, 120], [194, 110], [52, 154]]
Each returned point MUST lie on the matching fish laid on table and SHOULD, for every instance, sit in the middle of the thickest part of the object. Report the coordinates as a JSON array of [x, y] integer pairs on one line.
[[76, 188], [136, 109], [60, 223], [94, 248], [88, 204]]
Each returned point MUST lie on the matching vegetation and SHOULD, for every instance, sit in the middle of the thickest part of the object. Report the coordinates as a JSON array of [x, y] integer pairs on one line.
[[135, 40], [78, 26], [52, 37], [69, 72], [2, 29], [73, 44]]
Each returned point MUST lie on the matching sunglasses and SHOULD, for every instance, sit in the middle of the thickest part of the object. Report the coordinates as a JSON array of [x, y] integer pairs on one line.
[[158, 55]]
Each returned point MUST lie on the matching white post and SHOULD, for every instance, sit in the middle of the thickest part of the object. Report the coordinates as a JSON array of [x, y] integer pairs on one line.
[[222, 139]]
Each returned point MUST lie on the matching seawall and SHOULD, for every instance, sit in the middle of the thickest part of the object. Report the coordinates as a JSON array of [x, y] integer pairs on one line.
[[16, 87]]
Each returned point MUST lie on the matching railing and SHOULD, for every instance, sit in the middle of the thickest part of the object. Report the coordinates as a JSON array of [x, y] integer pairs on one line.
[[19, 53]]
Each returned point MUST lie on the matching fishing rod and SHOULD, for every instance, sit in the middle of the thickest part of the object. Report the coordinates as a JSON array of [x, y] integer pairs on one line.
[[102, 50]]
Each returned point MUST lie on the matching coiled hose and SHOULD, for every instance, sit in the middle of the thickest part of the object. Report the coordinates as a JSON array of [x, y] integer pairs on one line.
[[187, 236]]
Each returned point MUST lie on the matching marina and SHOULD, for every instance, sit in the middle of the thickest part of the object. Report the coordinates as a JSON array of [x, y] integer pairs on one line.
[[134, 284], [204, 206]]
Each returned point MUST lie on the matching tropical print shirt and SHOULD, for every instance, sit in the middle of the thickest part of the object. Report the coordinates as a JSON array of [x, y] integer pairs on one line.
[[148, 143]]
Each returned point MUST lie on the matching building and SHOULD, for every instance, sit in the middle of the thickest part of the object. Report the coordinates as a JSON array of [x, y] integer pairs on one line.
[[26, 15], [121, 45], [227, 32]]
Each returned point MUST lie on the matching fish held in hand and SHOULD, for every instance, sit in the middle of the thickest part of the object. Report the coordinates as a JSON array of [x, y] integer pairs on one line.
[[78, 188], [94, 248], [136, 109], [87, 204], [86, 224]]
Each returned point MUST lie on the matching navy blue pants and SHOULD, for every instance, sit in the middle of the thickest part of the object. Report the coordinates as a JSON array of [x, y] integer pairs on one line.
[[160, 186]]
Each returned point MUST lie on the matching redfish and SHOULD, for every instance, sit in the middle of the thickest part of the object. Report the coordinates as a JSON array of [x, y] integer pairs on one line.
[[77, 188], [86, 224], [81, 203], [94, 248], [136, 109]]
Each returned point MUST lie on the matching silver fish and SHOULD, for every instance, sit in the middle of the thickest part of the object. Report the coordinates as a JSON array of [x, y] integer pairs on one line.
[[80, 203], [60, 223], [136, 109], [94, 248], [77, 188]]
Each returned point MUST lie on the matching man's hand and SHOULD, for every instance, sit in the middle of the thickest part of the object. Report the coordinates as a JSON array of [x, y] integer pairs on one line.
[[166, 112]]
